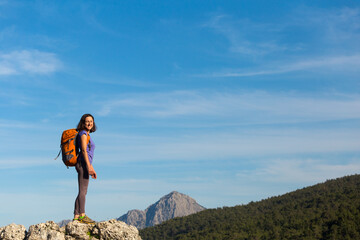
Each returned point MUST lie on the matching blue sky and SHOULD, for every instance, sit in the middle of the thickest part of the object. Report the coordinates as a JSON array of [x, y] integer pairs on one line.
[[226, 101]]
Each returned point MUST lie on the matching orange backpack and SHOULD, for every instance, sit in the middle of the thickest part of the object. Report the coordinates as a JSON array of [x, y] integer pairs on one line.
[[68, 147]]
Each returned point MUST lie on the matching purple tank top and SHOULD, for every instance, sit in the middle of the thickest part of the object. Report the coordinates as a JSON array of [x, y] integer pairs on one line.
[[89, 149]]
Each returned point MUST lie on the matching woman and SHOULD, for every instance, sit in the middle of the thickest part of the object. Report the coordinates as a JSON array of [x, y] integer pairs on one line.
[[84, 166]]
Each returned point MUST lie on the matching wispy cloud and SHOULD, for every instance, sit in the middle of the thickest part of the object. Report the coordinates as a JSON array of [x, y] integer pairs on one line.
[[243, 107], [304, 171], [269, 47], [336, 29], [89, 14], [331, 25], [236, 144], [176, 103], [11, 124], [324, 64], [19, 163], [9, 98], [28, 61], [246, 37]]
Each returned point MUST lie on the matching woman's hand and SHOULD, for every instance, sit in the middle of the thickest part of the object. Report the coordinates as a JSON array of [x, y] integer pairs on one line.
[[92, 172]]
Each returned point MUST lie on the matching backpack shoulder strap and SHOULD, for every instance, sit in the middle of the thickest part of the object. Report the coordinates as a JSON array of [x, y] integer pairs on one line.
[[88, 141]]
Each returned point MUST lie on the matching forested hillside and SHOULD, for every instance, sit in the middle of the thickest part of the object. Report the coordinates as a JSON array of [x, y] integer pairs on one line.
[[329, 210]]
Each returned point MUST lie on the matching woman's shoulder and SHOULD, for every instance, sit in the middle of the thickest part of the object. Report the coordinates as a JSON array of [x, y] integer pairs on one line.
[[82, 132]]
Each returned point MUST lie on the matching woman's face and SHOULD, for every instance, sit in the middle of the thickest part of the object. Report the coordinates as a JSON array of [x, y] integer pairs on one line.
[[89, 123]]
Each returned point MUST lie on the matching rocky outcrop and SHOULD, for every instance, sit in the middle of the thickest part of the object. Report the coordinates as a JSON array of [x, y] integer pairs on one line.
[[114, 229], [111, 229], [12, 232], [78, 230], [173, 205], [48, 230]]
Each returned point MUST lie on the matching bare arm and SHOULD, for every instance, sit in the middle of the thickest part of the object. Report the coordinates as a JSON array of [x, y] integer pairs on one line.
[[90, 168]]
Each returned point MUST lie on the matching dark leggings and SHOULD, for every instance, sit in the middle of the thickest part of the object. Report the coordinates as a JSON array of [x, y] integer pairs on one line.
[[83, 180]]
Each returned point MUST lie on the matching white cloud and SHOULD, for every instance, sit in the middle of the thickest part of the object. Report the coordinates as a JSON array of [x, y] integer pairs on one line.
[[26, 162], [11, 124], [28, 61], [300, 171], [331, 25], [241, 108], [6, 70], [324, 64], [236, 144], [333, 31], [175, 103], [246, 37], [130, 185], [337, 29]]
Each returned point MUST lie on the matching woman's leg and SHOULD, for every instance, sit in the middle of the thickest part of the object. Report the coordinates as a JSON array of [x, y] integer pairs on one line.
[[83, 182]]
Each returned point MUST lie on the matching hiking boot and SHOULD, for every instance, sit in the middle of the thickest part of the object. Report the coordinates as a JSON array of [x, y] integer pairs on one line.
[[86, 219]]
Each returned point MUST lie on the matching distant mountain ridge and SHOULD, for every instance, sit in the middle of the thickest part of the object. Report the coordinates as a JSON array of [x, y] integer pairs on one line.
[[172, 205], [63, 222]]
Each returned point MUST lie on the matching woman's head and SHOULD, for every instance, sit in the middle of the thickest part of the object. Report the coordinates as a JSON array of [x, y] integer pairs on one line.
[[87, 123]]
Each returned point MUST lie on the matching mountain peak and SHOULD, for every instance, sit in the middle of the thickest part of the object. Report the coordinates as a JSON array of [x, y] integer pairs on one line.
[[172, 205], [175, 195]]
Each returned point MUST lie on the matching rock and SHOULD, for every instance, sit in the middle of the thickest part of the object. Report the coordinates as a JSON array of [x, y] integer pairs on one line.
[[67, 237], [45, 231], [114, 229], [12, 232], [62, 229], [111, 229], [78, 230]]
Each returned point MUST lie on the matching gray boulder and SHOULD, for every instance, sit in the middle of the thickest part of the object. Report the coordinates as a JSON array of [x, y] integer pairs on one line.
[[45, 231], [12, 232], [79, 230], [114, 229]]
